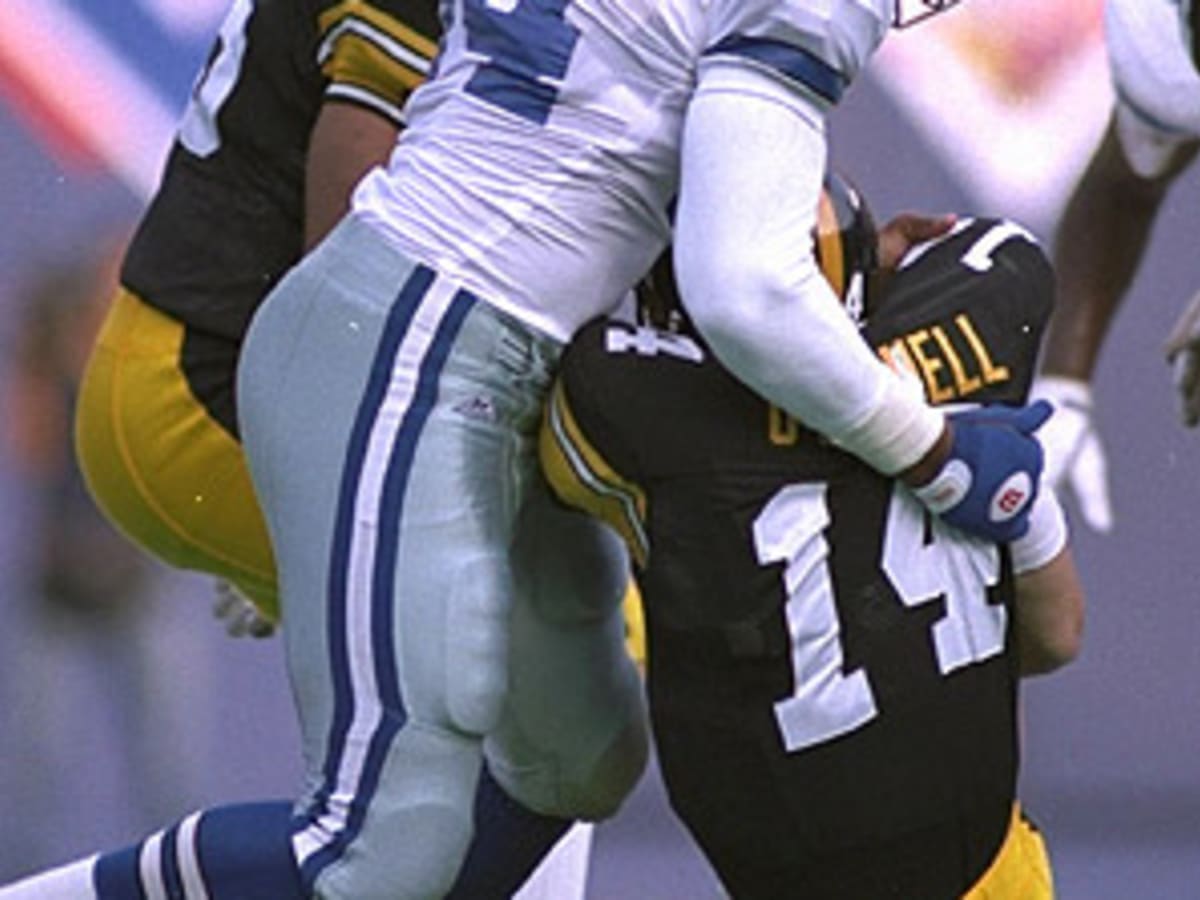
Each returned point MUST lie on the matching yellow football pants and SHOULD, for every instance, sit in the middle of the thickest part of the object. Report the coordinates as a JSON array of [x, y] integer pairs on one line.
[[159, 466], [1021, 869]]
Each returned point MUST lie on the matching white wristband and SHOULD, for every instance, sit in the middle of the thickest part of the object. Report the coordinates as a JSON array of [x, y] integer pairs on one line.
[[901, 429]]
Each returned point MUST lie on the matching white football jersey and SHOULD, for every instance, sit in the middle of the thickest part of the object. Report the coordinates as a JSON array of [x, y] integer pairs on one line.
[[541, 158], [1149, 48]]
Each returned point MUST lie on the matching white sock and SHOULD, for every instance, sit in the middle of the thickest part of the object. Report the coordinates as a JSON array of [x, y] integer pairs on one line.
[[70, 882], [562, 875]]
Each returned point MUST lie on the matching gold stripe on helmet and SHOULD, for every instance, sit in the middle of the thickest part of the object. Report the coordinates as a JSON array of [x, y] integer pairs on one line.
[[831, 255]]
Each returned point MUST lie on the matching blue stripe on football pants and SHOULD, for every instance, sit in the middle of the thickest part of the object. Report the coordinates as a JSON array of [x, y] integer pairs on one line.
[[384, 399], [509, 839]]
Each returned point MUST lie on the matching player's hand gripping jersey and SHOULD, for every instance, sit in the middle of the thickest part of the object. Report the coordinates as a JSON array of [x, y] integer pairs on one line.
[[831, 674]]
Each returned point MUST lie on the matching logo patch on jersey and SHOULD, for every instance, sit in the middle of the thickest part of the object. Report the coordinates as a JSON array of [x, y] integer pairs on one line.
[[1011, 497], [477, 407]]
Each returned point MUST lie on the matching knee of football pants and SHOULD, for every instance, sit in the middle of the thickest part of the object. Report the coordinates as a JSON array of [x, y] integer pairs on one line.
[[477, 644], [586, 778], [419, 823], [616, 772], [407, 869], [573, 569]]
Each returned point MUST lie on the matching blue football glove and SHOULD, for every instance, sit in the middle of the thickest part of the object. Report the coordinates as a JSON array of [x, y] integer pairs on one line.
[[987, 485]]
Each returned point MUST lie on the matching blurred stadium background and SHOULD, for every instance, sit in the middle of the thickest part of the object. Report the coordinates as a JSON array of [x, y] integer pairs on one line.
[[108, 730]]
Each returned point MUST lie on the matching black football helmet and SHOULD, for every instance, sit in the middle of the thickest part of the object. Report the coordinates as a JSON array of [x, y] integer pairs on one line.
[[845, 244], [910, 12]]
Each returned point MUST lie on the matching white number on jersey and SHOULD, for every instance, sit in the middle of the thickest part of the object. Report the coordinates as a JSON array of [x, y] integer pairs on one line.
[[525, 47], [979, 254], [952, 565], [198, 131], [651, 342], [827, 701]]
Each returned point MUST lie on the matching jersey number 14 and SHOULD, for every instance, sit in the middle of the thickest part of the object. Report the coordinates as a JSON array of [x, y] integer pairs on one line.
[[826, 700]]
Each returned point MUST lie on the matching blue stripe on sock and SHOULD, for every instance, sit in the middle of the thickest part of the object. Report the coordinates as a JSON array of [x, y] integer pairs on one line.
[[245, 852], [169, 861], [510, 840], [116, 875]]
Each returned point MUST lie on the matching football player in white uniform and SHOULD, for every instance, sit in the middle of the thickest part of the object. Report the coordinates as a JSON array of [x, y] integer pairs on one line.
[[1151, 138], [439, 609]]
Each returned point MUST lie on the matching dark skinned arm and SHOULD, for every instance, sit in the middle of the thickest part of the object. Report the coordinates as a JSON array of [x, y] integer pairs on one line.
[[347, 140], [1100, 242], [1049, 615]]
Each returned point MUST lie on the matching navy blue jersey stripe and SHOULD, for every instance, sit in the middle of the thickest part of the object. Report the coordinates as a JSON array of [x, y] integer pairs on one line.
[[795, 63]]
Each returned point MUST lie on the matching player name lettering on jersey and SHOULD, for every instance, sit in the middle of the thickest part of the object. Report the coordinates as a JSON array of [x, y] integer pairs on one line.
[[951, 359], [782, 429]]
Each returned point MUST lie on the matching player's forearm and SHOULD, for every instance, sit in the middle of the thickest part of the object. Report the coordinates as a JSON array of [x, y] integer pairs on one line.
[[1099, 245], [346, 142], [1049, 606], [748, 278], [1049, 616], [796, 347]]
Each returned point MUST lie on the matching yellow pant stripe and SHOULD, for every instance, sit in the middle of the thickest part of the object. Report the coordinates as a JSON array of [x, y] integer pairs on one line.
[[582, 478]]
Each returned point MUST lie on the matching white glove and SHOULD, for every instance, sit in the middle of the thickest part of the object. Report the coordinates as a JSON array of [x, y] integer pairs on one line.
[[1183, 353], [1074, 454], [238, 613]]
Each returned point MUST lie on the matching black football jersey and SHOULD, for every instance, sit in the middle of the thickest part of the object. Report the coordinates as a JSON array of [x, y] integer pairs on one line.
[[227, 220], [829, 667]]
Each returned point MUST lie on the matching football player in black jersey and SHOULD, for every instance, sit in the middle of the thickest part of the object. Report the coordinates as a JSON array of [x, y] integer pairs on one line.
[[832, 672], [298, 99]]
